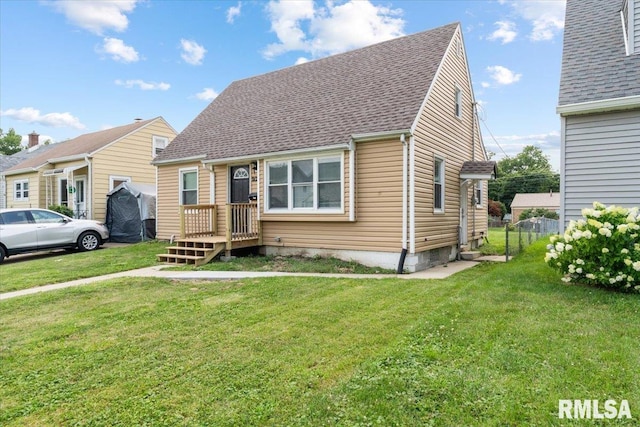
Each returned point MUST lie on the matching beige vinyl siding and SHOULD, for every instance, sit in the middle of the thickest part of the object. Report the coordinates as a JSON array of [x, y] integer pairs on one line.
[[35, 184], [439, 133], [128, 157], [378, 226], [168, 197]]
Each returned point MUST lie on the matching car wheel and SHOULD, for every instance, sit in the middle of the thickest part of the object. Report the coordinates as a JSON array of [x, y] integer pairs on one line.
[[88, 241], [2, 254]]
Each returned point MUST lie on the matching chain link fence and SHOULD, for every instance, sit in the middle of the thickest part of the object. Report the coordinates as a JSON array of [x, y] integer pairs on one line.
[[522, 233]]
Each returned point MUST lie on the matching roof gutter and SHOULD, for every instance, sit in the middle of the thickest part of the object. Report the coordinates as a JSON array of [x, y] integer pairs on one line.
[[82, 156], [255, 157], [181, 160], [376, 136], [21, 171], [601, 106]]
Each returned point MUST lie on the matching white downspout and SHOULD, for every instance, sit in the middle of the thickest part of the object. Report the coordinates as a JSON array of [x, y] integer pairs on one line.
[[405, 168], [412, 195], [89, 194], [352, 180]]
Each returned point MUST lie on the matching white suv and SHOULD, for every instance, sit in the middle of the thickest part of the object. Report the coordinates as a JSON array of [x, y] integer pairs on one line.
[[32, 230]]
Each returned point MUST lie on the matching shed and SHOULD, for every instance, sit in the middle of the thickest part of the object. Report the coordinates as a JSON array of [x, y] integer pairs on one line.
[[131, 213]]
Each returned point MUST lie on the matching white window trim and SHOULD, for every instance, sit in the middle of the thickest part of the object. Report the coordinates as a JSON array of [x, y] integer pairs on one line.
[[181, 173], [59, 190], [458, 102], [443, 184], [313, 210], [157, 142], [113, 178], [15, 190], [478, 186]]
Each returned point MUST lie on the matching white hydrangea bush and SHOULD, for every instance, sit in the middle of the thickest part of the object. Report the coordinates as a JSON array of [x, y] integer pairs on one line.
[[602, 249]]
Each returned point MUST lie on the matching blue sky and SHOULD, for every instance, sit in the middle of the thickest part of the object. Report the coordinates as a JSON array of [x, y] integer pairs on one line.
[[73, 67]]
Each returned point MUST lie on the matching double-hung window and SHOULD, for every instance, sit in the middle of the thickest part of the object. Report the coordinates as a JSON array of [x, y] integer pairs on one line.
[[189, 187], [159, 144], [478, 194], [438, 185], [21, 190], [305, 185], [458, 102]]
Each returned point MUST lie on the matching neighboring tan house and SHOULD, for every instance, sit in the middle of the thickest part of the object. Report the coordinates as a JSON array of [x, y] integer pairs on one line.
[[8, 161], [79, 173], [599, 105], [523, 201], [372, 155]]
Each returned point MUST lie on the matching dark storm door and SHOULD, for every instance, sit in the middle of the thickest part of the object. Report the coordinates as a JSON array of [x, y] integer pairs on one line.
[[240, 194], [239, 184]]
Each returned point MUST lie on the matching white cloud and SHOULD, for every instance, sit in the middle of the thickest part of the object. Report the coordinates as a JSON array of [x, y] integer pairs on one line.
[[506, 32], [141, 84], [32, 115], [502, 76], [207, 94], [118, 50], [513, 145], [485, 84], [97, 16], [545, 16], [330, 29], [301, 60], [192, 52], [233, 12]]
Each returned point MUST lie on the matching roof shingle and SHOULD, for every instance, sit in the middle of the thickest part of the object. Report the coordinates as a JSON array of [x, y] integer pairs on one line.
[[594, 62], [83, 144], [320, 103]]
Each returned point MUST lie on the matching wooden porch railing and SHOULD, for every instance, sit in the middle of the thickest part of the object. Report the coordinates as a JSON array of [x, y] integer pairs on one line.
[[198, 220], [242, 221], [201, 220]]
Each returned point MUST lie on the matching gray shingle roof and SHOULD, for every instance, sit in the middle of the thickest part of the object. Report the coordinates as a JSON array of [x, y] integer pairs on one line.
[[479, 168], [594, 62], [536, 200], [7, 162], [320, 103], [83, 144]]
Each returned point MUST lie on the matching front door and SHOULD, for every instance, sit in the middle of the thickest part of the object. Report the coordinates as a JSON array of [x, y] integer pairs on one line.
[[80, 196], [240, 221], [239, 184]]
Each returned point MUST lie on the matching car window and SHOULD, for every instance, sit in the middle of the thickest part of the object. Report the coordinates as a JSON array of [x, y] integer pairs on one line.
[[44, 217], [17, 217]]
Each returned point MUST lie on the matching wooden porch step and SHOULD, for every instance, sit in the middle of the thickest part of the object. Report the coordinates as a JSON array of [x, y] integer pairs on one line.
[[196, 251]]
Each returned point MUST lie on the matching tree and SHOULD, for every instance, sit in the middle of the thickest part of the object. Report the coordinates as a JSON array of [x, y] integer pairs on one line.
[[532, 159], [528, 172], [10, 143], [537, 213], [497, 209]]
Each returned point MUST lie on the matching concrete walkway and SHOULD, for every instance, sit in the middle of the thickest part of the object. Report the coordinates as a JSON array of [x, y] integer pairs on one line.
[[438, 272]]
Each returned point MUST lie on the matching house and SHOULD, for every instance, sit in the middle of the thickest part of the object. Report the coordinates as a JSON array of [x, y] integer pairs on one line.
[[79, 173], [8, 161], [523, 201], [373, 155], [599, 105]]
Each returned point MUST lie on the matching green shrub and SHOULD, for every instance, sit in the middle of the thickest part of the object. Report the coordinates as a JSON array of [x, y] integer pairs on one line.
[[537, 213], [62, 209], [603, 249]]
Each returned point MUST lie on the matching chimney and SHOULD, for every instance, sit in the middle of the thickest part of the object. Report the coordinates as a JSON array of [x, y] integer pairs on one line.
[[33, 139]]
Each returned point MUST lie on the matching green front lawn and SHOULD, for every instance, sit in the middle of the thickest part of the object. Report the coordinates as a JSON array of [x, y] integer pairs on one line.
[[61, 266], [495, 345]]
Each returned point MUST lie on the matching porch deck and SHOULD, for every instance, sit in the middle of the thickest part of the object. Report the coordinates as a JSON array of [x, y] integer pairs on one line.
[[200, 242]]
